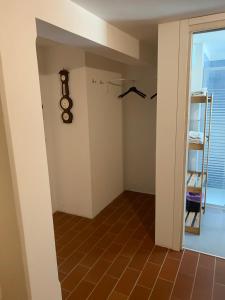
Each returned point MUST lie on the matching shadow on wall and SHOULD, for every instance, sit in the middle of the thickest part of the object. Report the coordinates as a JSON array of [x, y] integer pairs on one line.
[[12, 274]]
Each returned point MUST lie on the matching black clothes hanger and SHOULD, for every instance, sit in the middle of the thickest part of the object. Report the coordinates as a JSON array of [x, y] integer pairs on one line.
[[134, 90], [153, 96]]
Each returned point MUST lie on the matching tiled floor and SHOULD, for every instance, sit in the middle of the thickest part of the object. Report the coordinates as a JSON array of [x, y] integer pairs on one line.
[[114, 257]]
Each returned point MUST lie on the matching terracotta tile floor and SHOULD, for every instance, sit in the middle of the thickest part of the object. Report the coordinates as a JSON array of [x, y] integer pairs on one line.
[[114, 257]]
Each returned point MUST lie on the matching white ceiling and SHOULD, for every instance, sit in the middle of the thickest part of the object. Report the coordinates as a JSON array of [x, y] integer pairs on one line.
[[139, 17]]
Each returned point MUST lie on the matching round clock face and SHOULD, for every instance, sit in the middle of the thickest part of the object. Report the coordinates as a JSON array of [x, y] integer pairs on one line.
[[65, 103], [66, 116], [63, 77]]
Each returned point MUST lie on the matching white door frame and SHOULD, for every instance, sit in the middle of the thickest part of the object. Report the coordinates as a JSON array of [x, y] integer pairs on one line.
[[187, 28]]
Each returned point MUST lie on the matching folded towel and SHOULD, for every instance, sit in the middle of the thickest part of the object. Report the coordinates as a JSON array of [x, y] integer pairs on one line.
[[199, 93], [196, 137]]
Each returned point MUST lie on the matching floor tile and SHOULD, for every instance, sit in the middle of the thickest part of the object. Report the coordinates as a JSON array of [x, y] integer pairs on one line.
[[131, 247], [103, 229], [71, 262], [71, 281], [148, 242], [219, 292], [133, 223], [117, 227], [190, 252], [111, 253], [185, 278], [175, 254], [56, 216], [183, 287], [82, 224], [220, 271], [158, 255], [126, 282], [113, 218], [189, 263], [61, 276], [139, 233], [207, 262], [59, 260], [88, 244], [70, 248], [86, 233], [105, 241], [203, 284], [92, 257], [118, 266], [162, 290], [140, 293], [123, 236], [97, 271], [67, 237], [61, 221], [82, 291], [169, 269], [117, 296], [140, 258], [67, 225], [149, 275], [65, 294], [103, 288]]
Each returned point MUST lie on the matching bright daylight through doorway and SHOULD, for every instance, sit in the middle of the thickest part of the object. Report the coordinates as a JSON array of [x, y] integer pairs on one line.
[[205, 193]]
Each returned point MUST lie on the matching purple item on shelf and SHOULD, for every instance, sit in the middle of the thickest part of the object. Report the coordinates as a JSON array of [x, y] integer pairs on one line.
[[193, 201], [194, 197]]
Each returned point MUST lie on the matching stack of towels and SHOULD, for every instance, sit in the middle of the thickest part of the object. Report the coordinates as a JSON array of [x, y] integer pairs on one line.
[[196, 137], [203, 92]]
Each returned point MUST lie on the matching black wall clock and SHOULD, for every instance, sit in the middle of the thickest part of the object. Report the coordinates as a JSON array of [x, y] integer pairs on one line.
[[66, 103]]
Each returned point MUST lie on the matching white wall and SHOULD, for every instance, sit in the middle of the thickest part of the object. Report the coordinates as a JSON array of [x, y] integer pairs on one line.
[[12, 275], [168, 66], [21, 103], [106, 137], [139, 121], [140, 130], [67, 144], [85, 158]]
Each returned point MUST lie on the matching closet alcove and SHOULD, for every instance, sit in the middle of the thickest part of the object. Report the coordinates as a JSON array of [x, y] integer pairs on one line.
[[110, 145]]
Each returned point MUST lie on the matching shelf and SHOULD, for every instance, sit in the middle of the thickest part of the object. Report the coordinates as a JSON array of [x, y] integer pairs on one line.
[[193, 146], [201, 99], [195, 182], [192, 222]]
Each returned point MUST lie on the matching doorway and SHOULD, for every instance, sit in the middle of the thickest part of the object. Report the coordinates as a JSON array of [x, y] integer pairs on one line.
[[205, 169]]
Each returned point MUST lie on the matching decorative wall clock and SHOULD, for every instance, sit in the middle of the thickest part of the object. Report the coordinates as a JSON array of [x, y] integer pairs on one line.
[[66, 103]]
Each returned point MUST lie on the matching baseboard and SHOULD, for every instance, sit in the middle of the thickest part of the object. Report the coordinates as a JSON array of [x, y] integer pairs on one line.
[[138, 192]]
